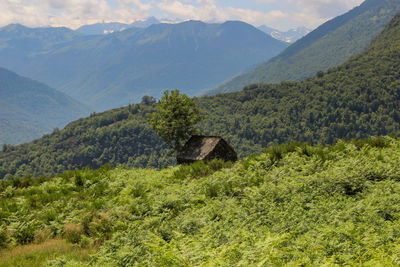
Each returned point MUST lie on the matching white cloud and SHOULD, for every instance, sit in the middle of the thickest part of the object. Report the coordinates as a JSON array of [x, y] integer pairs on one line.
[[256, 17], [265, 1], [206, 10], [74, 13], [70, 13], [324, 8]]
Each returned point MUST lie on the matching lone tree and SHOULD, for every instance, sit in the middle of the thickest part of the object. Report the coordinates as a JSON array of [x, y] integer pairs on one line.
[[175, 118]]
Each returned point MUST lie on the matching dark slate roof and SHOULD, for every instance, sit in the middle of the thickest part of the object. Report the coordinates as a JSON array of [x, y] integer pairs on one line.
[[198, 147]]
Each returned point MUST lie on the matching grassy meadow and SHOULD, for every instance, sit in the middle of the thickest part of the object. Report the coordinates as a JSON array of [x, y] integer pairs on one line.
[[293, 205]]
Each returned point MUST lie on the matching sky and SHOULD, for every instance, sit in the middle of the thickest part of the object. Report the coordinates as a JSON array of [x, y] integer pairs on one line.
[[278, 14]]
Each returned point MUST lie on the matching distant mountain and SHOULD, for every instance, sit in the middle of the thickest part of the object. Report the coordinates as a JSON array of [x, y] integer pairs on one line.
[[329, 45], [107, 71], [29, 109], [145, 23], [358, 99], [289, 36], [19, 45], [110, 27], [102, 28]]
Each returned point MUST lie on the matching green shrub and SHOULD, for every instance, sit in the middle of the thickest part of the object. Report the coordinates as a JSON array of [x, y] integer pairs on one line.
[[218, 164], [25, 233], [43, 235], [277, 152], [4, 238], [97, 225], [86, 242], [200, 169], [73, 233], [78, 179], [378, 142]]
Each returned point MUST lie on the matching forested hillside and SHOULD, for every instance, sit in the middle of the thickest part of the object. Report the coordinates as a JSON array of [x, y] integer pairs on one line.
[[328, 46], [358, 99], [294, 205], [120, 136], [29, 109], [109, 71]]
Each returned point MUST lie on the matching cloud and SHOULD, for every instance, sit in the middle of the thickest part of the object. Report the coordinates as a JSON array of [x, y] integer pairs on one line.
[[207, 10], [287, 13], [281, 14], [265, 1], [70, 13], [324, 8], [256, 17]]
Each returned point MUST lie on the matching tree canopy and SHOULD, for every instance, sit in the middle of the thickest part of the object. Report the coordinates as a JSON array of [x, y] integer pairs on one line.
[[175, 118]]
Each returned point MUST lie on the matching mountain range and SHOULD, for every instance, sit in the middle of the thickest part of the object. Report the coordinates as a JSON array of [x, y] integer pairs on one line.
[[108, 71], [357, 99], [327, 46], [29, 109], [110, 27], [289, 36]]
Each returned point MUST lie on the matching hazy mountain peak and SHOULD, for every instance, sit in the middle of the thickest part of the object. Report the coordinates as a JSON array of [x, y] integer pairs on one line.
[[289, 36], [111, 27]]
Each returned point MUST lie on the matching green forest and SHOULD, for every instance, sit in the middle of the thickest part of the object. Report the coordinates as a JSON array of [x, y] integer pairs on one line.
[[357, 99], [293, 205]]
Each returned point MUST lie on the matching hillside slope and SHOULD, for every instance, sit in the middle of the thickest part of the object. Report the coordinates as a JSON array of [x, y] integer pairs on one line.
[[290, 206], [358, 99], [109, 71], [329, 45], [28, 109]]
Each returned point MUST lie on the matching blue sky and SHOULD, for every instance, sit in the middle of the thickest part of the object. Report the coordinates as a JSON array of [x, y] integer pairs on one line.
[[280, 14]]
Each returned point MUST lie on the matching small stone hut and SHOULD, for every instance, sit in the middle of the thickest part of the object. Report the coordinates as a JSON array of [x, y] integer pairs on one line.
[[205, 148]]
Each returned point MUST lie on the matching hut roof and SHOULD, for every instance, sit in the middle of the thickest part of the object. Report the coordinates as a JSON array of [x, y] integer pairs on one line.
[[198, 147]]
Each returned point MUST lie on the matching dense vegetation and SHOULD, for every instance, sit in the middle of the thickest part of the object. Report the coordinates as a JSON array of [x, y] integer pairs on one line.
[[328, 46], [358, 99], [28, 109], [108, 71], [291, 205], [117, 136]]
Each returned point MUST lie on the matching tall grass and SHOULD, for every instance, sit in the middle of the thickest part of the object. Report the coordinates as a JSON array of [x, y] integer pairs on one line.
[[33, 255]]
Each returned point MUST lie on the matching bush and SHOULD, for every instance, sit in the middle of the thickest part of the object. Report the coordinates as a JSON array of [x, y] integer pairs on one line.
[[86, 242], [25, 233], [200, 169], [97, 225], [73, 233], [43, 235], [218, 164], [4, 238], [78, 180]]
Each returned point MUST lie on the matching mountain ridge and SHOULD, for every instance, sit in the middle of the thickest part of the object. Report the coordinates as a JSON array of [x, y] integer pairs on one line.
[[107, 71], [327, 46], [29, 109]]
